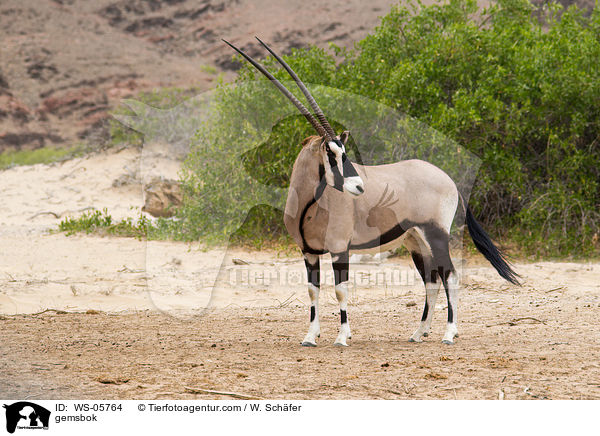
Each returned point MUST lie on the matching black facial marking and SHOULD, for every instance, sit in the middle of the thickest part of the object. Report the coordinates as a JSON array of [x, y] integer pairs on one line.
[[349, 170], [331, 158], [338, 178], [343, 317]]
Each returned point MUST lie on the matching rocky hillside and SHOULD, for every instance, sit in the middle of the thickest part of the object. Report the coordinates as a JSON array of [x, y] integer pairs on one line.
[[65, 63]]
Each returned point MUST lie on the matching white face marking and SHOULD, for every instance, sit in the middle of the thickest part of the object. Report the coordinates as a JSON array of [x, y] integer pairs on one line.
[[336, 148], [354, 184], [328, 173], [329, 177]]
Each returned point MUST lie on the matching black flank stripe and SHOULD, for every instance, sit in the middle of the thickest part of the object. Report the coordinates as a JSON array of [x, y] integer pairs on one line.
[[319, 191], [306, 248], [392, 234]]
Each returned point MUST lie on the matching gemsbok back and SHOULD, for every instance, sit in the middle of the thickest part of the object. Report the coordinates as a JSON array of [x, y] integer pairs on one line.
[[336, 206]]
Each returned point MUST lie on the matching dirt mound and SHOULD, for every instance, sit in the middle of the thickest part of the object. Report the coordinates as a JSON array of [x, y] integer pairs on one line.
[[66, 63]]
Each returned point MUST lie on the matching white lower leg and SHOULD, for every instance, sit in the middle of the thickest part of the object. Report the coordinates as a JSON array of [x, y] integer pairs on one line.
[[431, 291], [314, 329], [451, 333], [452, 293], [341, 292]]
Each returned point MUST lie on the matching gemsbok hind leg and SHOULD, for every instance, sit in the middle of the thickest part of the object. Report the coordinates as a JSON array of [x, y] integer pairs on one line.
[[438, 240], [423, 264], [416, 243], [313, 271], [451, 286], [340, 272]]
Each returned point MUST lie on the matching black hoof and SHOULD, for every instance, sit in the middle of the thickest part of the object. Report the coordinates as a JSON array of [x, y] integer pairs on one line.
[[447, 342], [308, 344]]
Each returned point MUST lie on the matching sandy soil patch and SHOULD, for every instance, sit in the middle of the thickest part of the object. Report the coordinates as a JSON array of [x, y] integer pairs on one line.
[[137, 324]]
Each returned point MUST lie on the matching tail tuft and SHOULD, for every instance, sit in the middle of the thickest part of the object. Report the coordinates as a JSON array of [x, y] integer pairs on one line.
[[485, 245]]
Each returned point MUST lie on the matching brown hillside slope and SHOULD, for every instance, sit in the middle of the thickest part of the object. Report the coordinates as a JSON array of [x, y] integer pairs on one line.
[[65, 63]]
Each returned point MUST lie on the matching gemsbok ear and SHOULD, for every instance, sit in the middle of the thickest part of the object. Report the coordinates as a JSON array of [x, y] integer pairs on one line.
[[344, 137]]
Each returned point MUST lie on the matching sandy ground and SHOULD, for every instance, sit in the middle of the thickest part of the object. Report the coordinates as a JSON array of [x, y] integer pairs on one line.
[[137, 324]]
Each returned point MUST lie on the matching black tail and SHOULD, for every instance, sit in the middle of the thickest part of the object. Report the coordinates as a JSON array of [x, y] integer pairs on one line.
[[485, 245]]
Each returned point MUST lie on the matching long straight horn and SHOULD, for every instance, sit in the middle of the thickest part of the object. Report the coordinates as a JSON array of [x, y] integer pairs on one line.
[[303, 110], [309, 97]]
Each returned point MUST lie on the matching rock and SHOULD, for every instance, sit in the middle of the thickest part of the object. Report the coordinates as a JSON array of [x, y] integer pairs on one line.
[[162, 197]]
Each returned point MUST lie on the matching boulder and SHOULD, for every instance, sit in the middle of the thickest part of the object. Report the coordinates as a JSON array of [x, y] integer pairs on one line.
[[162, 197]]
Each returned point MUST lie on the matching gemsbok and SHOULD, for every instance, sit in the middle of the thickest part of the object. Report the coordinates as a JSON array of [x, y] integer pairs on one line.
[[336, 206]]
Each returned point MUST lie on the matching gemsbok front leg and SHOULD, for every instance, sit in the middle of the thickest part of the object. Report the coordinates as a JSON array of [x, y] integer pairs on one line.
[[313, 271], [340, 272]]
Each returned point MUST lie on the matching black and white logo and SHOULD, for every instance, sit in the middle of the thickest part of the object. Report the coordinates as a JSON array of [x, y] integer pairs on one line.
[[26, 415]]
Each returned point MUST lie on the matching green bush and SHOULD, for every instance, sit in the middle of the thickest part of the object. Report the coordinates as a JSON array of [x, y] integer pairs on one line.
[[103, 223], [521, 95]]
